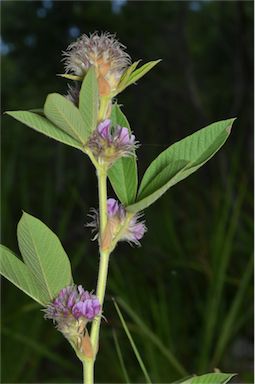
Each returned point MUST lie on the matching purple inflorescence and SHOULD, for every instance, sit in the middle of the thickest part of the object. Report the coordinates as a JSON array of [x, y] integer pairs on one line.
[[135, 230], [108, 144], [120, 227], [114, 208], [73, 303]]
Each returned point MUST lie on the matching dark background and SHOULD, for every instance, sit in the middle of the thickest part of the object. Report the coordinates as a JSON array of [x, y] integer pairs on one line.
[[190, 282]]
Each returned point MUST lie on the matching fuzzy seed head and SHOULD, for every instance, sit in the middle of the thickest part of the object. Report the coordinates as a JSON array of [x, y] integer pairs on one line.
[[105, 53]]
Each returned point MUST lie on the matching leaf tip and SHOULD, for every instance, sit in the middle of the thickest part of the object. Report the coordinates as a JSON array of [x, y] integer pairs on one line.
[[229, 127], [24, 214], [10, 113]]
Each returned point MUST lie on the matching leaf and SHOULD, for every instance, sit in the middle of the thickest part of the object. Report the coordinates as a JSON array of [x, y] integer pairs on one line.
[[233, 314], [124, 78], [132, 343], [40, 111], [39, 348], [63, 113], [88, 101], [123, 173], [13, 269], [179, 161], [70, 77], [120, 357], [140, 72], [209, 378], [44, 126], [44, 254], [153, 337], [212, 378]]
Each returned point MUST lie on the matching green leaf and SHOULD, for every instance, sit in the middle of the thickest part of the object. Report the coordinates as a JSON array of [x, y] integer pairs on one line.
[[44, 254], [211, 378], [120, 356], [44, 126], [231, 318], [70, 77], [123, 173], [18, 273], [63, 113], [179, 161], [152, 337], [140, 72], [88, 101], [39, 111], [126, 75], [132, 343]]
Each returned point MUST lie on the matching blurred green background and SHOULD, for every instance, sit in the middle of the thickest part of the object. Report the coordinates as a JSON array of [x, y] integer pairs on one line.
[[188, 290]]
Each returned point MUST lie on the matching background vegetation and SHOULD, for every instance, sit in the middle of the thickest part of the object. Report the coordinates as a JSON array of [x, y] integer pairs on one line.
[[187, 290]]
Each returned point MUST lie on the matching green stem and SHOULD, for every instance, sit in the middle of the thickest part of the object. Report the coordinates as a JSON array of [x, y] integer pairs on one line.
[[102, 191], [104, 105], [104, 255], [101, 286], [88, 371]]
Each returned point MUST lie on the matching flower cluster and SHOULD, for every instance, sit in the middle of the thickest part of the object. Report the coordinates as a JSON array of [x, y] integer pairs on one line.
[[108, 144], [119, 226], [72, 309], [105, 53]]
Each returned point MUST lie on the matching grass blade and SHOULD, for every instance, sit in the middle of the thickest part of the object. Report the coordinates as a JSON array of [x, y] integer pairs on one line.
[[154, 338], [118, 350], [216, 290], [231, 318], [38, 348], [137, 354]]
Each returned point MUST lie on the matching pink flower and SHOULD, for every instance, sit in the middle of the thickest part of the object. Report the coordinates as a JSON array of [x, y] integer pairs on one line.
[[71, 310], [119, 227], [108, 144]]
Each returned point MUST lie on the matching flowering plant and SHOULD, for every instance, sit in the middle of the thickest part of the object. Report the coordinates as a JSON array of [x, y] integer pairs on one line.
[[89, 119]]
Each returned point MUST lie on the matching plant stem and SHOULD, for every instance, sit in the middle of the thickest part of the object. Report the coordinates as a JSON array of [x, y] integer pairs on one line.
[[101, 286], [102, 191], [104, 106], [104, 255], [88, 371]]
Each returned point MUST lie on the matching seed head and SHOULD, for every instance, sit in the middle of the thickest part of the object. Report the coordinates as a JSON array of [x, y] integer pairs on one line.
[[104, 52]]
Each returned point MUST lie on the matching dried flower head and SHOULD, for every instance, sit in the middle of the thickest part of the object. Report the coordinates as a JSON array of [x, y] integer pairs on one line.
[[104, 52], [71, 310], [120, 226], [110, 143], [73, 93]]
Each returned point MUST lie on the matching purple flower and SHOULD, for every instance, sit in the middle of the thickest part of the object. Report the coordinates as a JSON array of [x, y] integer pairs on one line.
[[135, 230], [72, 309], [108, 144], [120, 226]]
